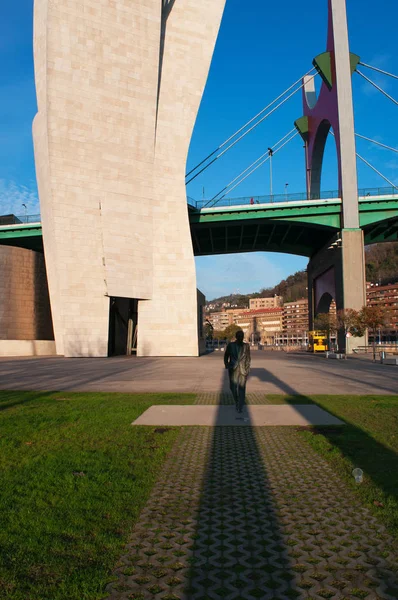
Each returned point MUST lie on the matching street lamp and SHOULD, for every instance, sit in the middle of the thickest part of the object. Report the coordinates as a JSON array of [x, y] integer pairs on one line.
[[286, 186], [26, 210], [270, 153]]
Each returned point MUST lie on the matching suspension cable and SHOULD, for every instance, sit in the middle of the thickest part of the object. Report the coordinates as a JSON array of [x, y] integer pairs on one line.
[[249, 122], [378, 70], [253, 170], [371, 166], [251, 128], [252, 165], [376, 142], [376, 171], [378, 87]]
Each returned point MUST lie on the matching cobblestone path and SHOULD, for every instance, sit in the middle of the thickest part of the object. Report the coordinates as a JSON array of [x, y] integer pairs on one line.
[[225, 398], [246, 513]]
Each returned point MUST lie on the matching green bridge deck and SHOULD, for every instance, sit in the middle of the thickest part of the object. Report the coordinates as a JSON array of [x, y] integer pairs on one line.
[[294, 227]]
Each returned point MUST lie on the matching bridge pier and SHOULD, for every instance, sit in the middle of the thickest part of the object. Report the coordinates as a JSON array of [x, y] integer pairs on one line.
[[337, 272], [116, 110]]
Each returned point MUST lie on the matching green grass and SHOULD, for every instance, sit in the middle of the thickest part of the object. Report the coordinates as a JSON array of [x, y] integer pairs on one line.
[[74, 476], [369, 440]]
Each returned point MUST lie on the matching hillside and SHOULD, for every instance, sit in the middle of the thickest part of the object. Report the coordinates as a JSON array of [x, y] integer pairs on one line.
[[381, 267]]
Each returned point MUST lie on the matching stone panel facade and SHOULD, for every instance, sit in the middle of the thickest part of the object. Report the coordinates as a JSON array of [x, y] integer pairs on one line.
[[118, 87], [24, 307]]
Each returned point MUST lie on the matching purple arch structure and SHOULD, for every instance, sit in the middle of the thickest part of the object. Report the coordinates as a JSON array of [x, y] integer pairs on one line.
[[338, 269], [325, 291], [320, 115]]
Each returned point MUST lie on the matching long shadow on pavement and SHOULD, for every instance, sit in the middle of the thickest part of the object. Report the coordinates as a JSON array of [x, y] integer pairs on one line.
[[240, 549], [275, 522]]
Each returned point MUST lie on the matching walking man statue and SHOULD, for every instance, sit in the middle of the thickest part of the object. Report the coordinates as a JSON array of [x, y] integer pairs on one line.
[[237, 361]]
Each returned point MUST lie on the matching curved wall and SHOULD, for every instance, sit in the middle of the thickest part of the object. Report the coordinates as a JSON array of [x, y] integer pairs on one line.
[[24, 303], [118, 89]]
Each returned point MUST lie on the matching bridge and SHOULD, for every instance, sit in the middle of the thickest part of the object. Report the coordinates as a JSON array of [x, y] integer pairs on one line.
[[289, 224]]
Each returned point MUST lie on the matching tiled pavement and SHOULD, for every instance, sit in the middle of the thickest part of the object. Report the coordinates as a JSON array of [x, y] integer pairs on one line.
[[246, 513], [225, 398]]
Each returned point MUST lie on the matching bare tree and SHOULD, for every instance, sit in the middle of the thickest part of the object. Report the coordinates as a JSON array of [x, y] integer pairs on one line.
[[374, 318]]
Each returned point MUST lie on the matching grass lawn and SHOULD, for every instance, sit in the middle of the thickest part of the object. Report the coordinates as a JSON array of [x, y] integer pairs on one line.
[[73, 477], [369, 440]]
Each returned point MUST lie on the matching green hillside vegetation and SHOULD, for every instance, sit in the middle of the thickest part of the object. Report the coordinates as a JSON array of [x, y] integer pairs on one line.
[[381, 268], [382, 263]]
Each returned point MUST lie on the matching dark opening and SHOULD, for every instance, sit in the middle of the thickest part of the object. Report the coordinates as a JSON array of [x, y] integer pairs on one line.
[[123, 320]]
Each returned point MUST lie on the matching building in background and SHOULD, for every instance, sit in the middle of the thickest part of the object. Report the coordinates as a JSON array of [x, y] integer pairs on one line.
[[292, 338], [218, 320], [295, 316], [387, 296], [261, 325], [257, 303]]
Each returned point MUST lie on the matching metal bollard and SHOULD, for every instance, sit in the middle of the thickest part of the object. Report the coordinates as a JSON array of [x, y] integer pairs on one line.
[[382, 356]]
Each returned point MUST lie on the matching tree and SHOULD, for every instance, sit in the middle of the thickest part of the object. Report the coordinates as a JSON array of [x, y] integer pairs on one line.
[[218, 335], [348, 321], [208, 330], [230, 331], [374, 318]]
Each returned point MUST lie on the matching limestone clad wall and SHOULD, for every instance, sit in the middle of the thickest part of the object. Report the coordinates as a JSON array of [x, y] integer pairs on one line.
[[24, 303], [118, 88]]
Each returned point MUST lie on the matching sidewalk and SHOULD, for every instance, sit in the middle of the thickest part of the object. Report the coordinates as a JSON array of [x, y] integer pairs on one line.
[[245, 513], [271, 373]]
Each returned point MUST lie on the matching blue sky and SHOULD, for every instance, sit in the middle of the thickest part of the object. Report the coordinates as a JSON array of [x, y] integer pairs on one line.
[[262, 48]]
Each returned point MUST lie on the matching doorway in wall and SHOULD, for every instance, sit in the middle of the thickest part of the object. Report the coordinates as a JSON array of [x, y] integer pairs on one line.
[[123, 326]]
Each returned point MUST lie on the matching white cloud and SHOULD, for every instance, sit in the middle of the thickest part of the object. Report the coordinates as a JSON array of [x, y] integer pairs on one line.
[[13, 196]]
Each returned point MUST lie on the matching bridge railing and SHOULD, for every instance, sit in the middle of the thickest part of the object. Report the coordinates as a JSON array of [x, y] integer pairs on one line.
[[30, 218], [19, 220], [243, 200], [300, 197]]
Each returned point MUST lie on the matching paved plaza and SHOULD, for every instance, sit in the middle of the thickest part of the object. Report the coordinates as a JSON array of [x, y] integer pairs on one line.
[[245, 513], [271, 373]]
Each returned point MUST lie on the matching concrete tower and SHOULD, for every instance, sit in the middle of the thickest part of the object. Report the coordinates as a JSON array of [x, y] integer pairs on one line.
[[119, 85]]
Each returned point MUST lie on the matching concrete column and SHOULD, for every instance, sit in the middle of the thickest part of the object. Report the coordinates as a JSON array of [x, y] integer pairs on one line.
[[118, 88], [349, 182], [354, 277]]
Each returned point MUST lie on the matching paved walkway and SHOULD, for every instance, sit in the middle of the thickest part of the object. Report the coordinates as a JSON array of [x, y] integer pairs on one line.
[[252, 416], [271, 373], [246, 513]]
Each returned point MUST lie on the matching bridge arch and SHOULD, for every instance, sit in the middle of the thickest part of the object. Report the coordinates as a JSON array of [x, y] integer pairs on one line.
[[324, 304], [325, 291], [318, 152]]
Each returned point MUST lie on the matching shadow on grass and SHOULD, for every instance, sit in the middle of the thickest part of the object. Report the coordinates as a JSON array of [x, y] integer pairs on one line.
[[10, 399], [378, 461]]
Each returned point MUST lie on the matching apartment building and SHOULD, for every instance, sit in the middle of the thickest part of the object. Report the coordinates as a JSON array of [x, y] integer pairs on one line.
[[260, 325], [222, 319], [387, 296], [257, 303], [218, 320], [295, 316]]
